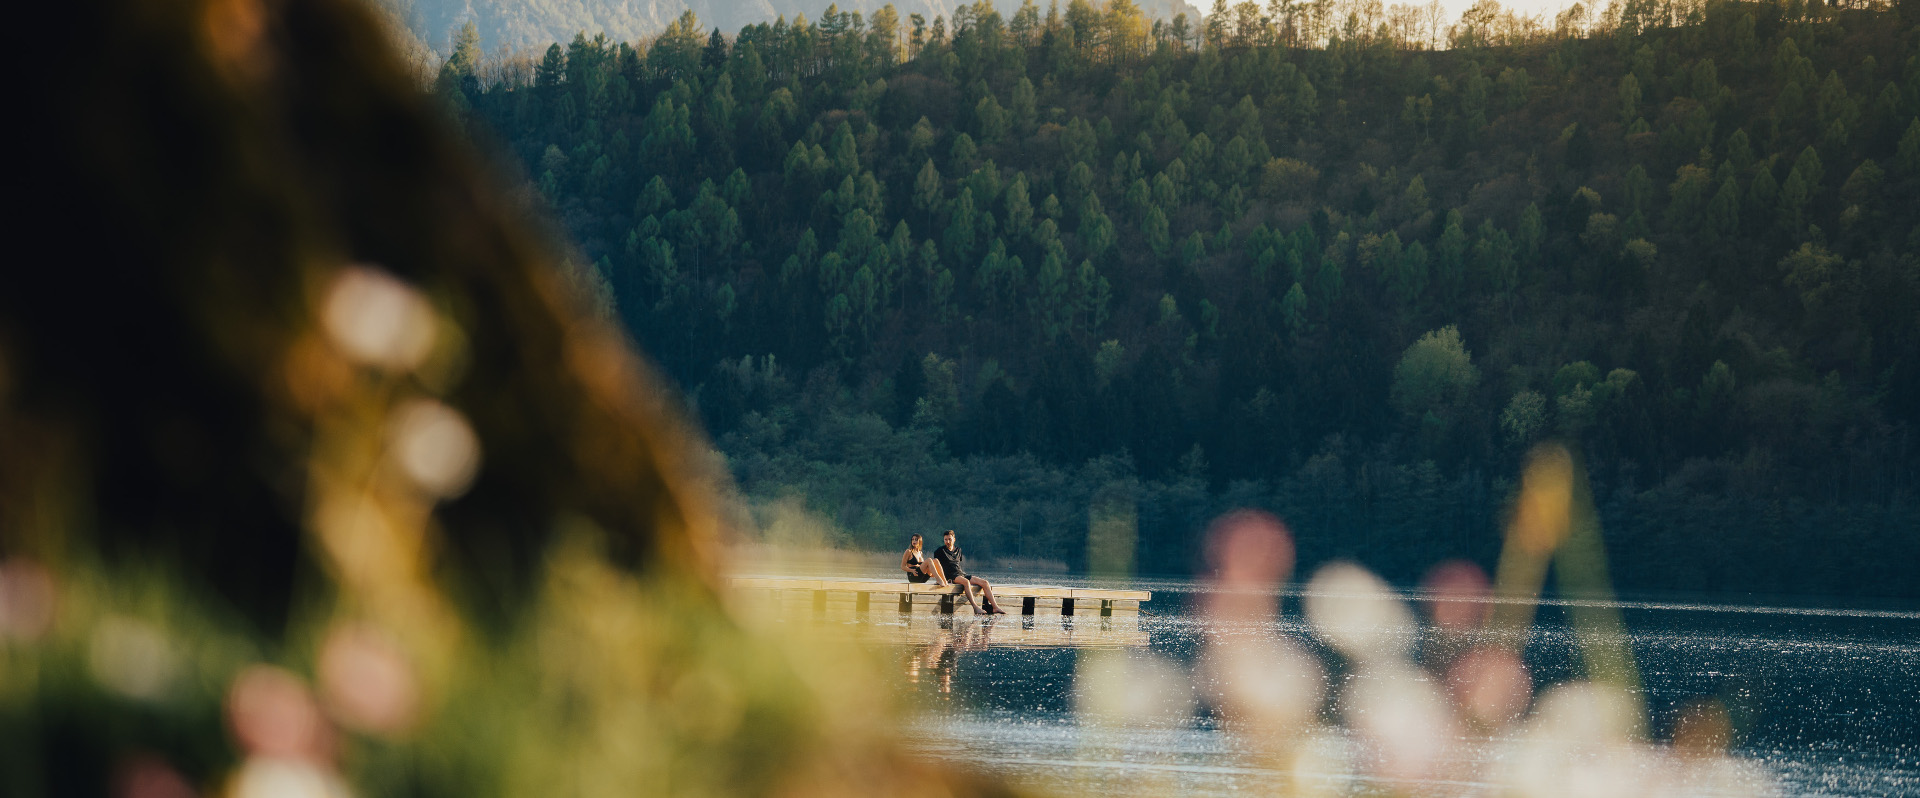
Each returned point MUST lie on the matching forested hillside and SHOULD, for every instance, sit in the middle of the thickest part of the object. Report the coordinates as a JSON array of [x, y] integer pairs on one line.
[[1035, 271], [519, 24]]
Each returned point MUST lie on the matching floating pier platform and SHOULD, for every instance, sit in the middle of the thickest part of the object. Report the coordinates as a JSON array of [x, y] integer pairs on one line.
[[881, 595]]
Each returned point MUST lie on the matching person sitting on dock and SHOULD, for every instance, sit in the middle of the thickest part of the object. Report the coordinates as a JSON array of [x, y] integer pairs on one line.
[[948, 557], [920, 569]]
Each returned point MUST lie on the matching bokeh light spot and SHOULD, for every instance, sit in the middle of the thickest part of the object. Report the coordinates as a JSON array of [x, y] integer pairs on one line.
[[268, 777], [1358, 614], [1491, 685], [366, 680], [434, 446], [1457, 594], [273, 715], [378, 320], [1272, 684], [1131, 688], [132, 658], [1401, 713], [26, 599], [1545, 511], [148, 776]]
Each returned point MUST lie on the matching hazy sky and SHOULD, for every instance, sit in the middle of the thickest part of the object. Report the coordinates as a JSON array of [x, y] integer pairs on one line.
[[1546, 9]]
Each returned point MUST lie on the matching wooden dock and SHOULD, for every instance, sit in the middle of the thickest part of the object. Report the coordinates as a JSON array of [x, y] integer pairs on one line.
[[881, 595]]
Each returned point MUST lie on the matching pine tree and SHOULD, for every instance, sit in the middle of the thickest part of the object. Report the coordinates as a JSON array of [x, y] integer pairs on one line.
[[1907, 158], [1629, 99], [960, 227], [552, 69], [1809, 168], [460, 68], [1022, 106], [1794, 196], [926, 189], [990, 119], [1293, 309], [1019, 209], [1451, 250], [844, 153], [1531, 232], [1722, 215], [1408, 279], [963, 155], [1155, 228]]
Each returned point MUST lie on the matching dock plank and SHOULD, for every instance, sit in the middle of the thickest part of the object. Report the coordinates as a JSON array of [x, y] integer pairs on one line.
[[1100, 593], [769, 583]]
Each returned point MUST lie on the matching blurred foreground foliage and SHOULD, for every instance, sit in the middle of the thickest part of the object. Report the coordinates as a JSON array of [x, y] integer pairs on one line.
[[315, 478]]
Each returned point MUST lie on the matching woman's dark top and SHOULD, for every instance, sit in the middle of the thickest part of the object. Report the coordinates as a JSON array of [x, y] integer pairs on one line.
[[919, 573], [950, 560]]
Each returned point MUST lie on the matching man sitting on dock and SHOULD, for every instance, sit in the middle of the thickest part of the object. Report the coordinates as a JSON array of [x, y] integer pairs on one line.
[[949, 557]]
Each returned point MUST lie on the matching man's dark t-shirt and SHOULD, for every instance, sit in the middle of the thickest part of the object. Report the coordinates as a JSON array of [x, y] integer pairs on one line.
[[950, 559]]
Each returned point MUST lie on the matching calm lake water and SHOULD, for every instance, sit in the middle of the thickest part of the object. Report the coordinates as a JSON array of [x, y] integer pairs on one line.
[[1822, 702]]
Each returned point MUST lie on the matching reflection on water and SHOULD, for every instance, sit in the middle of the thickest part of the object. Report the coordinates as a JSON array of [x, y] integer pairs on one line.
[[1810, 703], [1807, 700], [934, 644]]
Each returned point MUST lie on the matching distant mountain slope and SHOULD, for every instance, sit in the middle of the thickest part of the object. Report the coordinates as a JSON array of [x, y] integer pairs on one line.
[[535, 23]]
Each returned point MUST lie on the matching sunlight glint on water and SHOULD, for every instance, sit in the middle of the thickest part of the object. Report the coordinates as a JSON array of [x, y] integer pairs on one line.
[[1820, 703]]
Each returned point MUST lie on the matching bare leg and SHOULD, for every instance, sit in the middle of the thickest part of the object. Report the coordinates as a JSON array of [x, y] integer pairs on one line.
[[966, 589], [933, 567], [986, 591]]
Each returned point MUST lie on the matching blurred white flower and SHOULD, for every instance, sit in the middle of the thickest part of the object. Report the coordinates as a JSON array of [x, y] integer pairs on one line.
[[1401, 714], [1272, 685], [1129, 688], [378, 320], [268, 777], [1580, 744], [132, 658], [1321, 765], [1358, 614], [434, 446]]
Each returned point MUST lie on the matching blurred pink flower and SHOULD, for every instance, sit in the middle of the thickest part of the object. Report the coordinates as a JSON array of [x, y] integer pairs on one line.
[[1251, 553], [1491, 686], [273, 714], [366, 680], [26, 599], [148, 776], [1457, 595]]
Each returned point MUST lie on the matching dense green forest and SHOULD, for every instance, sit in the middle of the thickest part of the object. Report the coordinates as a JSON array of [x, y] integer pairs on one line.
[[513, 24], [1033, 271]]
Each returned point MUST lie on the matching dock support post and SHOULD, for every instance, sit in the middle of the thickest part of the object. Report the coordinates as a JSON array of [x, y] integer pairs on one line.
[[1026, 606], [1066, 607], [862, 602]]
